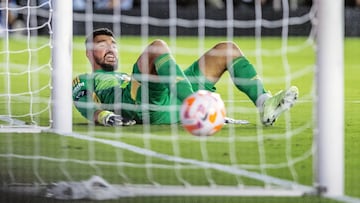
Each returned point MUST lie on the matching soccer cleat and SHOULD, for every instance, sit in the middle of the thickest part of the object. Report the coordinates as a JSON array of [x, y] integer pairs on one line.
[[277, 104]]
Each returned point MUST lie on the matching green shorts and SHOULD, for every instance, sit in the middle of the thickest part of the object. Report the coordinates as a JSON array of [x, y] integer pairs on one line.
[[163, 106]]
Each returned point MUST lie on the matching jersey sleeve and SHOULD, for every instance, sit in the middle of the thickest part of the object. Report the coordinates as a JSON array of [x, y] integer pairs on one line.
[[84, 98]]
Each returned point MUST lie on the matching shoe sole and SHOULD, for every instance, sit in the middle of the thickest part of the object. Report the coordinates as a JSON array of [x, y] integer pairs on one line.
[[285, 104]]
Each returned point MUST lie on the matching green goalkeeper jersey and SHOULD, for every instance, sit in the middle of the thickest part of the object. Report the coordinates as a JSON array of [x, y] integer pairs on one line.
[[122, 94], [98, 90]]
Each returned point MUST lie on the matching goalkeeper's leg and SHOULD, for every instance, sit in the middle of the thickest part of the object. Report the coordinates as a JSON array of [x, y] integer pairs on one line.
[[157, 60], [228, 56]]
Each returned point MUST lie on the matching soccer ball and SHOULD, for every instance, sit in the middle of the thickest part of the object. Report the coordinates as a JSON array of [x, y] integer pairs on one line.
[[203, 113]]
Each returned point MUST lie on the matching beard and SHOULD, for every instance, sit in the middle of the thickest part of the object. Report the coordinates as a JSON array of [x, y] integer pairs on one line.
[[106, 66]]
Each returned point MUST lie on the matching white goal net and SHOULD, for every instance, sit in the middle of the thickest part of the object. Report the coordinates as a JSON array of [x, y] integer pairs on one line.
[[25, 58], [147, 160]]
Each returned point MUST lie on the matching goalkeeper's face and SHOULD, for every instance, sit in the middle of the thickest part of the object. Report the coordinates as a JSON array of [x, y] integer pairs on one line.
[[105, 53]]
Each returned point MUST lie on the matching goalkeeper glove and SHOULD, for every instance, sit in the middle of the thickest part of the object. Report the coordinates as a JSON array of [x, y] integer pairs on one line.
[[108, 118]]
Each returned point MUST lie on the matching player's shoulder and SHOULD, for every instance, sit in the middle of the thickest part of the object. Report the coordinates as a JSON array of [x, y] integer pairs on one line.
[[81, 77], [80, 80]]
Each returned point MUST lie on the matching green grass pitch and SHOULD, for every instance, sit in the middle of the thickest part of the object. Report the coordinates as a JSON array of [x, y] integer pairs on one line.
[[81, 156]]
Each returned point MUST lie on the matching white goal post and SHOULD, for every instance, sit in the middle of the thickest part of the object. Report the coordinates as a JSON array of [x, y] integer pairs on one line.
[[329, 134], [62, 67]]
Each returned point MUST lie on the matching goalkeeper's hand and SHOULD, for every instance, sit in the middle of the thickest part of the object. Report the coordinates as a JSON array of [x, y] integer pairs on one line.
[[108, 118]]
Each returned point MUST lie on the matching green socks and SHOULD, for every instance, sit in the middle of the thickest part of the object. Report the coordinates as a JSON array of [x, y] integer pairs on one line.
[[166, 66], [245, 78]]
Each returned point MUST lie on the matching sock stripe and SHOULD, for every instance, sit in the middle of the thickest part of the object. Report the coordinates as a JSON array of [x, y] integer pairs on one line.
[[162, 59]]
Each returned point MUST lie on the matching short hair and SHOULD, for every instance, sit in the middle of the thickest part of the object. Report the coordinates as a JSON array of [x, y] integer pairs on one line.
[[100, 31]]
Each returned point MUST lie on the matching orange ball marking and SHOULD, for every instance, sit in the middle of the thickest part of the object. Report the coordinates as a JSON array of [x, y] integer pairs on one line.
[[212, 117], [190, 100]]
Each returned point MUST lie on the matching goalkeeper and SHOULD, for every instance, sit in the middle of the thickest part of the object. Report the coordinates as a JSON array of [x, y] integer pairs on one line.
[[157, 84]]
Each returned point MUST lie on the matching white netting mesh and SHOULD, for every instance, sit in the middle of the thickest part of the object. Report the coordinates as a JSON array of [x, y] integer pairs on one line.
[[277, 160], [25, 63]]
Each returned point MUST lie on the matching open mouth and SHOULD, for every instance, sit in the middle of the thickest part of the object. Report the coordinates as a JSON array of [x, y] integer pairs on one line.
[[110, 57]]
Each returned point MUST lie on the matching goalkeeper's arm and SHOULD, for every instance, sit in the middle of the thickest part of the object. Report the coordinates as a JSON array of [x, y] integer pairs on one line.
[[87, 104], [108, 118]]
